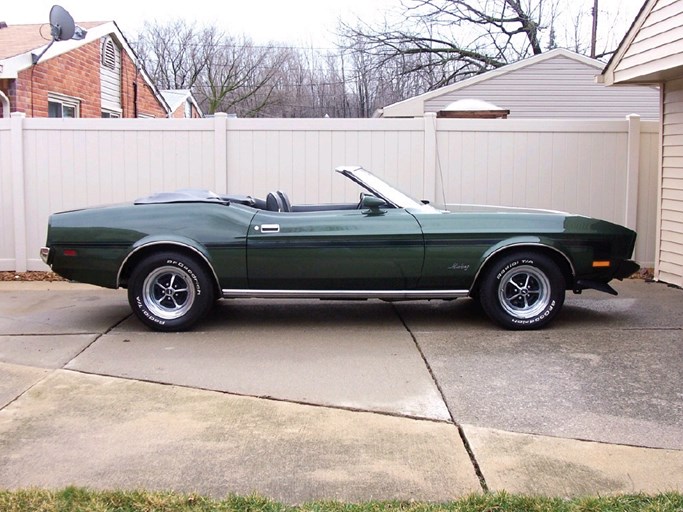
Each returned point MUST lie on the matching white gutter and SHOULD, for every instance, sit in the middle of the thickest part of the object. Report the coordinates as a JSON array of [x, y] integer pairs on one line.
[[5, 104]]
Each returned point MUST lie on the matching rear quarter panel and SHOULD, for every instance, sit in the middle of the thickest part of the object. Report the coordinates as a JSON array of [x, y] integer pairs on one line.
[[103, 237]]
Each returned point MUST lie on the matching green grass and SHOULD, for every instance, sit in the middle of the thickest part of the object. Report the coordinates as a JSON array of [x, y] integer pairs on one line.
[[75, 499]]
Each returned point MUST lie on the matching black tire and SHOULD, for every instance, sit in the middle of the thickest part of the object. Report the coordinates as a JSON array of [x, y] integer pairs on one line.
[[170, 291], [522, 290]]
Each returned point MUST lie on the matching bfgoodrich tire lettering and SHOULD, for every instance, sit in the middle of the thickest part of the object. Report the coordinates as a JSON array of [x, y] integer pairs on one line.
[[522, 290], [170, 291]]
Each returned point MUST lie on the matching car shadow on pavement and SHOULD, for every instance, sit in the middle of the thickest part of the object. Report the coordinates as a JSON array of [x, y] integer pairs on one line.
[[456, 315], [298, 314]]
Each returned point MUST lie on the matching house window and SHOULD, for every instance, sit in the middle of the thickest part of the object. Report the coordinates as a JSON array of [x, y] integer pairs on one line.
[[110, 114], [109, 54], [59, 105]]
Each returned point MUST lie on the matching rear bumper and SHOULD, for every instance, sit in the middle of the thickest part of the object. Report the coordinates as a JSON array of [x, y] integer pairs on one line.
[[625, 269], [45, 255]]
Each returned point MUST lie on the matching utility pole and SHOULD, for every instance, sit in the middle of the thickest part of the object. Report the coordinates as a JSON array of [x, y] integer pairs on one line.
[[594, 32]]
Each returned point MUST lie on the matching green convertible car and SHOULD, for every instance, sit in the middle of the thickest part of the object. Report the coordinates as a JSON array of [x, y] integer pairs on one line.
[[178, 252]]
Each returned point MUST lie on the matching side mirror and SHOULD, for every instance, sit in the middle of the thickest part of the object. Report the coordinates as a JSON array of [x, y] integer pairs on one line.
[[373, 203]]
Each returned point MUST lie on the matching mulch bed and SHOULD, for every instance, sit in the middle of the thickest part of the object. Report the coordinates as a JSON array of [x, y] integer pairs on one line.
[[30, 276]]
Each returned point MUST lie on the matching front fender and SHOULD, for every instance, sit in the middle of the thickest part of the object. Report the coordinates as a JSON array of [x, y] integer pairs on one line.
[[530, 242]]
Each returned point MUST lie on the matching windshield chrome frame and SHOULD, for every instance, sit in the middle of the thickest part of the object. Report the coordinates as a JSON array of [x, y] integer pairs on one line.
[[380, 188]]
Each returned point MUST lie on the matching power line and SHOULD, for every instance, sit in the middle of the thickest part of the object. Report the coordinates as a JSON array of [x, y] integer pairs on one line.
[[277, 46]]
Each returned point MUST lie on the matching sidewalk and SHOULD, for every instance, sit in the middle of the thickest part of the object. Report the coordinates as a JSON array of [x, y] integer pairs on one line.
[[312, 400]]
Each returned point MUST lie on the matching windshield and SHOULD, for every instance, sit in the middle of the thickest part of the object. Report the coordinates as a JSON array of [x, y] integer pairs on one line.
[[382, 189]]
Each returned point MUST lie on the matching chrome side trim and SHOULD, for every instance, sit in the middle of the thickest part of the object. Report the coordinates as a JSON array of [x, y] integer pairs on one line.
[[522, 244], [344, 294], [165, 242]]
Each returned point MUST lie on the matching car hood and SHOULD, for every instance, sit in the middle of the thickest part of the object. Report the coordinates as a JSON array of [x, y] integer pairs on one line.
[[465, 208]]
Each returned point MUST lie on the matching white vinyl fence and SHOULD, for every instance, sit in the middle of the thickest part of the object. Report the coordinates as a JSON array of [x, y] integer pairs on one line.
[[605, 169]]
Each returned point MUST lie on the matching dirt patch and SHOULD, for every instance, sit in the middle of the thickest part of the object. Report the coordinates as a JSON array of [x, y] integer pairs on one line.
[[644, 273]]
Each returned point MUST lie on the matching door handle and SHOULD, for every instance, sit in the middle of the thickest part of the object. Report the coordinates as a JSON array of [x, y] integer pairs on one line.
[[270, 228]]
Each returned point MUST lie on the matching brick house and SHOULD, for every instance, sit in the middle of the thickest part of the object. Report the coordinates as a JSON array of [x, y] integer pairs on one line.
[[93, 77], [182, 103]]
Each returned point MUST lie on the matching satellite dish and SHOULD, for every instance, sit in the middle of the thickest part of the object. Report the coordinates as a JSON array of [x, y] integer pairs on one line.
[[63, 26]]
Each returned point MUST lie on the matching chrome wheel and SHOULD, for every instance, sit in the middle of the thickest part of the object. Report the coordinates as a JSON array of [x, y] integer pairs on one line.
[[524, 292], [168, 292]]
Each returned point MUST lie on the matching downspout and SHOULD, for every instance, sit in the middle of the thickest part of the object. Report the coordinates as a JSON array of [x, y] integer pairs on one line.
[[5, 104], [135, 96]]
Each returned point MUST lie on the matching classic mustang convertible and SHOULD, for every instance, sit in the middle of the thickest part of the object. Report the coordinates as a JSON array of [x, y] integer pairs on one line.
[[177, 253]]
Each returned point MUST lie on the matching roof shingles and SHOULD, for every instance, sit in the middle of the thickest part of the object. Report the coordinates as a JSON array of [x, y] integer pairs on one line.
[[18, 39]]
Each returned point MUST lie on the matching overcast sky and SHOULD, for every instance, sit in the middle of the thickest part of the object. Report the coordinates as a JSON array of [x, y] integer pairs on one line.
[[299, 22], [294, 21]]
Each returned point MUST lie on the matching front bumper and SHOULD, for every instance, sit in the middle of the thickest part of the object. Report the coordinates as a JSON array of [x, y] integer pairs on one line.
[[624, 269]]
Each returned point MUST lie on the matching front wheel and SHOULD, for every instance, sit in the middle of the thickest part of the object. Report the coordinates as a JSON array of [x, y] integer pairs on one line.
[[522, 291], [170, 291]]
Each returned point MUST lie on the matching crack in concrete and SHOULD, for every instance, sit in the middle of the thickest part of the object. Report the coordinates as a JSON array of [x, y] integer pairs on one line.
[[461, 431]]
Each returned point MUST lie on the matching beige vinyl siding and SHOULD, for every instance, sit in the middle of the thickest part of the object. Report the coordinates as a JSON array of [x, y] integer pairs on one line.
[[671, 228], [656, 47], [559, 87]]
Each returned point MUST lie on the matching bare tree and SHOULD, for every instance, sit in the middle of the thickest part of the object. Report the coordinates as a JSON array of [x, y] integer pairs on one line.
[[306, 86], [434, 43], [591, 30], [175, 54], [225, 73], [242, 78], [455, 39]]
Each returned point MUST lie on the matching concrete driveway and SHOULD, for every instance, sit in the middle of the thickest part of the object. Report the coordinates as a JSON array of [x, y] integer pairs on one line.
[[302, 400]]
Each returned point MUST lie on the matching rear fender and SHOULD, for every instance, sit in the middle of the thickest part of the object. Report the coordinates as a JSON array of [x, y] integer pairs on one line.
[[157, 242]]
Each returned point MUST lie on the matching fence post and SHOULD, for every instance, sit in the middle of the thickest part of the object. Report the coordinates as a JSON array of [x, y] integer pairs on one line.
[[632, 170], [18, 189], [431, 180], [220, 127]]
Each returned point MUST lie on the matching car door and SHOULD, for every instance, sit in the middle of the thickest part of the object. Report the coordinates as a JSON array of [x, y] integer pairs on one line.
[[334, 250]]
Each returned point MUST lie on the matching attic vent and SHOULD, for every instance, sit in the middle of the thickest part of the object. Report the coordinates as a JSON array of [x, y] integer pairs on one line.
[[109, 54]]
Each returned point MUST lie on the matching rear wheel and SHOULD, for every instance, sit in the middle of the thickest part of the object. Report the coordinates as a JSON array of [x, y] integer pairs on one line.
[[522, 290], [170, 291]]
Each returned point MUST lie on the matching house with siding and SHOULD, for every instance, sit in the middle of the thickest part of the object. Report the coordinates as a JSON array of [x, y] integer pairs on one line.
[[182, 103], [97, 76], [650, 53], [558, 84]]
